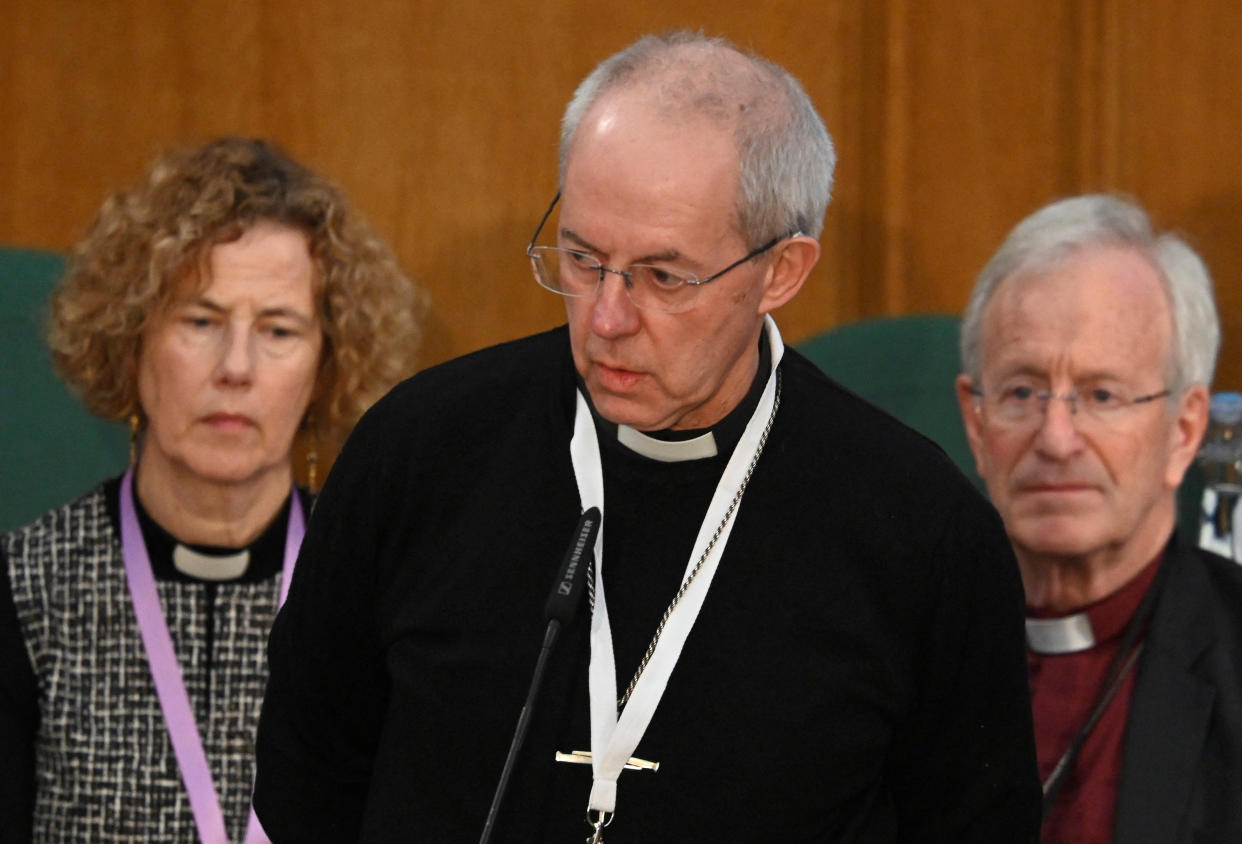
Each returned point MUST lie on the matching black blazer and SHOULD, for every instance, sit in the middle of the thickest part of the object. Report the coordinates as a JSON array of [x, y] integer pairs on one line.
[[1181, 770]]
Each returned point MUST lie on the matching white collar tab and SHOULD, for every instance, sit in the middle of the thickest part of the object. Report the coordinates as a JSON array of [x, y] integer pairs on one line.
[[1067, 635], [210, 566], [667, 451]]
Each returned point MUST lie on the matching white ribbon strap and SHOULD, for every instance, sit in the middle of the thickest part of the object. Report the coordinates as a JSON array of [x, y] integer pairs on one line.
[[613, 741]]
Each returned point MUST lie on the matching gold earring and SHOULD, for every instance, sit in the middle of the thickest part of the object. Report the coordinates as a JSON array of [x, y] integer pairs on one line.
[[312, 459], [134, 424]]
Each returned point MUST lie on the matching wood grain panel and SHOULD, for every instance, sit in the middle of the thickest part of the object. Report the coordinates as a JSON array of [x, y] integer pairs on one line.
[[985, 138], [952, 121], [1178, 132], [440, 120]]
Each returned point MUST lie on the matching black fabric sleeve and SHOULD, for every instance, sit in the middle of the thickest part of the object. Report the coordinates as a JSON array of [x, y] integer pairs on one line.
[[968, 760], [19, 721], [327, 688], [376, 528]]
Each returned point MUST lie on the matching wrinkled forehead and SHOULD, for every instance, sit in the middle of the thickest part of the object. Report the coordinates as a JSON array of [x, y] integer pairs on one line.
[[1102, 312], [268, 264], [629, 170]]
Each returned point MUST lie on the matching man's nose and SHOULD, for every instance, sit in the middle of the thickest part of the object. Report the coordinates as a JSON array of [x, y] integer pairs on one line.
[[613, 314], [1058, 436]]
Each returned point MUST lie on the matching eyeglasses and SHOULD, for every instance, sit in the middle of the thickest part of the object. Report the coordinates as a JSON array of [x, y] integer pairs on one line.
[[1022, 405], [574, 272]]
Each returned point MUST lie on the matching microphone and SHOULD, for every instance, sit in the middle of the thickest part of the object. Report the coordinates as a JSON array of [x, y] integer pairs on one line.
[[566, 594], [560, 609]]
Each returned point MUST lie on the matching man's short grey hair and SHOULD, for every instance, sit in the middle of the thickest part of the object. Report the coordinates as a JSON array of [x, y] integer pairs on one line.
[[785, 153], [1064, 228]]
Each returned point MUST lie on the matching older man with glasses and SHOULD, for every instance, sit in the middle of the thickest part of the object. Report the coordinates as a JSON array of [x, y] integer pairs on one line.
[[794, 626], [1088, 346]]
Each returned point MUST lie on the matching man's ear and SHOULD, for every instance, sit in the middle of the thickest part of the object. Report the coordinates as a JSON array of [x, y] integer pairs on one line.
[[968, 403], [1187, 432], [792, 263]]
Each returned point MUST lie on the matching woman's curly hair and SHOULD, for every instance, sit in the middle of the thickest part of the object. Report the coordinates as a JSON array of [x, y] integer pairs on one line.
[[147, 239]]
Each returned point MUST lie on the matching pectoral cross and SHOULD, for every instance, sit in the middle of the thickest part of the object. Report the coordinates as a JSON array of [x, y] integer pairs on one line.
[[602, 819], [583, 757]]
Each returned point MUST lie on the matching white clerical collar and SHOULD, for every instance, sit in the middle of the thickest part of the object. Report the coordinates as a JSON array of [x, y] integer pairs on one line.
[[1067, 635], [667, 451], [210, 566]]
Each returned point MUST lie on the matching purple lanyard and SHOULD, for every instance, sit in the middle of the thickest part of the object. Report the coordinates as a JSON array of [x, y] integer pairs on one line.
[[166, 672]]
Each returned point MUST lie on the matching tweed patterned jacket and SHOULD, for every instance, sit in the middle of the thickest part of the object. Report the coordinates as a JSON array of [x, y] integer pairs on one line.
[[104, 765]]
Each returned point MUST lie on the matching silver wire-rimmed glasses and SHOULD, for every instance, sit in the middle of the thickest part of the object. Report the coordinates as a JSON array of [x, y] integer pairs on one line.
[[1022, 405], [576, 272]]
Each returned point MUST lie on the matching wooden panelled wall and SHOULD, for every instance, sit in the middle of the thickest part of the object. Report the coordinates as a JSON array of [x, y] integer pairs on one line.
[[952, 121]]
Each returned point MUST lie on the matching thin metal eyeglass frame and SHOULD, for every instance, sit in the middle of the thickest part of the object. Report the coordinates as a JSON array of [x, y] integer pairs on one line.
[[1046, 396], [601, 269]]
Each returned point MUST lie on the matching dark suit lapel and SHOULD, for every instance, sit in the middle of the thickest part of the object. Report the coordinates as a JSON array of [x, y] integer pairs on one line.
[[1170, 710]]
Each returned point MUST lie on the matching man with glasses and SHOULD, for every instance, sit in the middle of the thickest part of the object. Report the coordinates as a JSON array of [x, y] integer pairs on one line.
[[791, 627], [1088, 347]]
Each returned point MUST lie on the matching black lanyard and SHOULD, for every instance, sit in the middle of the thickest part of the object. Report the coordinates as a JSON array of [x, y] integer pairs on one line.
[[1123, 661]]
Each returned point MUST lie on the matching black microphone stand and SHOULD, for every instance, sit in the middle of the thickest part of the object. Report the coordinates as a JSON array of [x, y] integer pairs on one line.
[[561, 607]]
